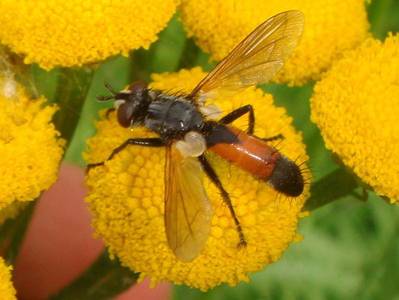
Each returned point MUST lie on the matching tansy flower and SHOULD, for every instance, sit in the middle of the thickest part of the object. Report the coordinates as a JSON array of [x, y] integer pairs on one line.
[[71, 33], [7, 291], [330, 27], [356, 107], [30, 150], [126, 198]]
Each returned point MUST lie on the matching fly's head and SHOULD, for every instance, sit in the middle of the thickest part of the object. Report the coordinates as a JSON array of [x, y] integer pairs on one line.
[[130, 104]]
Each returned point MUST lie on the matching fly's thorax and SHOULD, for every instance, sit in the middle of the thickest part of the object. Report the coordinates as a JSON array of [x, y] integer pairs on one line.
[[172, 116]]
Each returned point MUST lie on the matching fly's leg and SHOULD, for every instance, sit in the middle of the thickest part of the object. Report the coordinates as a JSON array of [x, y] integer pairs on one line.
[[109, 111], [247, 109], [274, 138], [226, 198], [147, 142], [238, 113]]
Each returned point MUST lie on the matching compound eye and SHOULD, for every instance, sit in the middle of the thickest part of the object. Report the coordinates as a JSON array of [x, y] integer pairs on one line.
[[125, 114], [118, 103], [137, 86]]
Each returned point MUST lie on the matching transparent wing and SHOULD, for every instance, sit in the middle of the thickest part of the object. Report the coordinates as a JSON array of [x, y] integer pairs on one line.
[[258, 57], [188, 212]]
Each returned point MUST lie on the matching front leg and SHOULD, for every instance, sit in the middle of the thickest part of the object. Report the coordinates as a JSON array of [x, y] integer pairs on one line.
[[147, 142], [238, 113], [109, 111]]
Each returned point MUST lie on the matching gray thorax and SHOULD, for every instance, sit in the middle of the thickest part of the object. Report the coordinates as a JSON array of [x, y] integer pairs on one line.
[[171, 117]]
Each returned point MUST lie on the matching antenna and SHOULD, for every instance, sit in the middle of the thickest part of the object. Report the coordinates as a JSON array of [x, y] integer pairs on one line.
[[110, 97]]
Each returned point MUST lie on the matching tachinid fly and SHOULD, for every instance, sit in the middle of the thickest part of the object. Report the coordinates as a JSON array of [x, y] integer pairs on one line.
[[185, 128]]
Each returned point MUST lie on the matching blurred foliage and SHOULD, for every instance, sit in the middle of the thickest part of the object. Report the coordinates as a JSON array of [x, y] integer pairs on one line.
[[350, 247], [350, 251]]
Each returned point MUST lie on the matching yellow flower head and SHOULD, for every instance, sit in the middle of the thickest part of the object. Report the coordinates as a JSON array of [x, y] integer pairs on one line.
[[7, 290], [330, 28], [30, 150], [126, 198], [71, 33], [356, 107]]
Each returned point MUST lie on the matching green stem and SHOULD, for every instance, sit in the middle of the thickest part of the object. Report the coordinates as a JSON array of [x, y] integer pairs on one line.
[[337, 184], [104, 279], [13, 231], [190, 54], [73, 86]]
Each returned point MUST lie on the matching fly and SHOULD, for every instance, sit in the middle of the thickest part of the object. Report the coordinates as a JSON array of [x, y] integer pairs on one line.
[[187, 133]]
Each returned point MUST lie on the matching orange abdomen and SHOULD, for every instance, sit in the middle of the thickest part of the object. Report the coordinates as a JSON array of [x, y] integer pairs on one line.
[[249, 153]]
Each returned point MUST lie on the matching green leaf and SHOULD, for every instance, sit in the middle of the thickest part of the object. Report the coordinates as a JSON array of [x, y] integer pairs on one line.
[[337, 184], [349, 252], [104, 279], [114, 71], [72, 88], [383, 16]]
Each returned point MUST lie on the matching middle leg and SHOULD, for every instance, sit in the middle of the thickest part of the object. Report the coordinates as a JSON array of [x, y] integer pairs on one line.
[[247, 109], [238, 113]]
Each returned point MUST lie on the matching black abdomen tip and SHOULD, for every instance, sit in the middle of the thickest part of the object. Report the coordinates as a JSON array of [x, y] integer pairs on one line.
[[287, 177]]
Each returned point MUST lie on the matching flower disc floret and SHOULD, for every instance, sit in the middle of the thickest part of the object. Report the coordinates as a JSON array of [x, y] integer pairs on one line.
[[7, 290], [126, 198], [356, 107], [30, 148], [71, 33], [330, 28]]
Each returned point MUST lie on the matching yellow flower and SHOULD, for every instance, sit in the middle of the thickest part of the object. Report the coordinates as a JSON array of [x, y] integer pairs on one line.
[[356, 107], [71, 33], [126, 198], [30, 150], [7, 290], [330, 28]]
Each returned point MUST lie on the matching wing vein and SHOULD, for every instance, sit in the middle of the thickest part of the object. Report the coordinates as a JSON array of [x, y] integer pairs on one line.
[[188, 211], [268, 45]]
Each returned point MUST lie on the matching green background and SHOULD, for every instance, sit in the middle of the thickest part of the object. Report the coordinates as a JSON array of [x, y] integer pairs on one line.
[[350, 247]]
